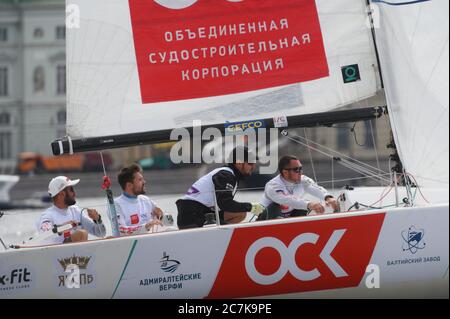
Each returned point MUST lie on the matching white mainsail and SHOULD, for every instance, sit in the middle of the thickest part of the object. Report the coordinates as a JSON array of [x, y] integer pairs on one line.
[[412, 40], [108, 92]]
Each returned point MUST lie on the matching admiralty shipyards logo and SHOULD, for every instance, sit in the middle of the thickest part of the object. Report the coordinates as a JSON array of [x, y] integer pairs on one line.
[[169, 265], [413, 239], [174, 281]]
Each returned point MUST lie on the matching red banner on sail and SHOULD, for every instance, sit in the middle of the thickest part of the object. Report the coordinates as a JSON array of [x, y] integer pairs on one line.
[[201, 48]]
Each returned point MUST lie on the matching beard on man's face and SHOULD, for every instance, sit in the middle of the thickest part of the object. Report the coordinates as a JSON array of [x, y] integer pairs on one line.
[[139, 190], [69, 201]]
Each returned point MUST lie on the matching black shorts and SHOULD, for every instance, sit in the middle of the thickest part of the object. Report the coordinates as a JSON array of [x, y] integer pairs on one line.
[[191, 214], [273, 211]]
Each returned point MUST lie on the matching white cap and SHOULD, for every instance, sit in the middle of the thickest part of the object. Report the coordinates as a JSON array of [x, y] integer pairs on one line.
[[57, 184]]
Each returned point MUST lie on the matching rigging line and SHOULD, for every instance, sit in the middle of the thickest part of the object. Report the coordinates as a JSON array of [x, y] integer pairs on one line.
[[355, 167], [375, 147], [375, 177], [360, 168], [390, 189], [353, 130], [408, 187], [310, 155], [418, 187], [103, 163], [332, 173], [344, 179], [338, 154]]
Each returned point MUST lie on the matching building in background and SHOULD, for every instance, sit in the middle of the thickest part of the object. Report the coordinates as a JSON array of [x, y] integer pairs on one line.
[[32, 76]]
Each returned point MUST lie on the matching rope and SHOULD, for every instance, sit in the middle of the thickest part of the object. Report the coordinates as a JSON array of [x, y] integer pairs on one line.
[[359, 166], [374, 143], [310, 155], [336, 153], [103, 163]]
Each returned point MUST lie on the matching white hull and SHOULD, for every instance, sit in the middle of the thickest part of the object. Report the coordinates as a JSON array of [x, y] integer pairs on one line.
[[318, 257]]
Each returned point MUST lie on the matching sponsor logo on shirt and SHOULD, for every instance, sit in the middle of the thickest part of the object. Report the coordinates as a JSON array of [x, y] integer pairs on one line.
[[134, 219], [46, 225]]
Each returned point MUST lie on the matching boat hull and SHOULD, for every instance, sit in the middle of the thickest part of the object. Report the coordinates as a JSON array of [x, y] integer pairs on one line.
[[380, 254]]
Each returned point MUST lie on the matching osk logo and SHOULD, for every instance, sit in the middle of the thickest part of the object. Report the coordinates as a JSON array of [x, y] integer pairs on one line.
[[297, 256], [287, 254], [181, 4]]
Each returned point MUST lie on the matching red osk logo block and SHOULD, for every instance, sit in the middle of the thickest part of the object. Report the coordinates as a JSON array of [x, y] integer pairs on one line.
[[195, 49], [297, 257]]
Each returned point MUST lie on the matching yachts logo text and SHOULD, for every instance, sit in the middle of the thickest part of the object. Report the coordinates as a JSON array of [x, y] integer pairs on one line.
[[307, 256]]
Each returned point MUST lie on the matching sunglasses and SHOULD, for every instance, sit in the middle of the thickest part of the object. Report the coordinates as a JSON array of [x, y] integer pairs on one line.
[[295, 169]]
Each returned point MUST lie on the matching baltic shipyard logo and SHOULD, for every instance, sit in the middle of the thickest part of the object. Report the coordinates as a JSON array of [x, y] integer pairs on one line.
[[169, 265], [413, 239]]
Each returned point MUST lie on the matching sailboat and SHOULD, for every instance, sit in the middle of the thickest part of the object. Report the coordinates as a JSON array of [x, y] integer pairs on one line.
[[139, 69]]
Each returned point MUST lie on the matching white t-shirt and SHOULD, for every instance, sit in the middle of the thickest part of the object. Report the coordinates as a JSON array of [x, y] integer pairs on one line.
[[57, 216], [289, 195], [133, 213]]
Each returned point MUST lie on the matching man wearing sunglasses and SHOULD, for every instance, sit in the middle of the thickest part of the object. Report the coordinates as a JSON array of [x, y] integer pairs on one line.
[[284, 194], [64, 212]]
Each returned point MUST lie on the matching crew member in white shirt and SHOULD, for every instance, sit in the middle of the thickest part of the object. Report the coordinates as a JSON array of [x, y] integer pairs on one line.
[[284, 195], [136, 212], [64, 211]]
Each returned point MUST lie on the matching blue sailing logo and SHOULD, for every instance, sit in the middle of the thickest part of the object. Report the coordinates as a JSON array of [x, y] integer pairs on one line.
[[169, 265], [413, 239]]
